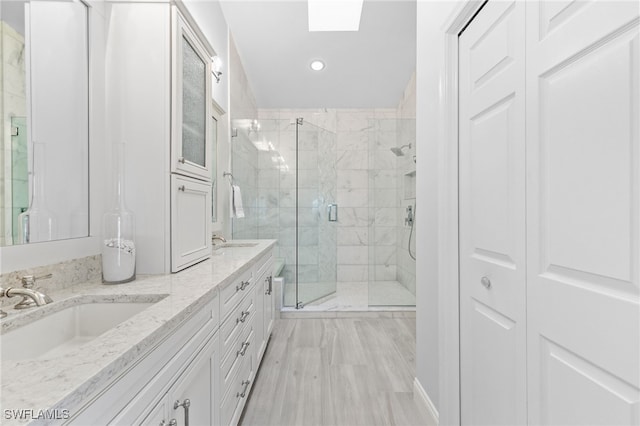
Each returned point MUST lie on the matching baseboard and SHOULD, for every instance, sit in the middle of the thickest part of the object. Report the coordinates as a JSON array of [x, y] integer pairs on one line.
[[425, 403]]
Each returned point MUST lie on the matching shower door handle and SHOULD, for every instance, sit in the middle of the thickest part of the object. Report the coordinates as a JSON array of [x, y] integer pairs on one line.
[[333, 212]]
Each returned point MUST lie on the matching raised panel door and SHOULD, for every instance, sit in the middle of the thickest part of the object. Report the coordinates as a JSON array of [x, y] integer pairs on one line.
[[492, 222], [583, 215]]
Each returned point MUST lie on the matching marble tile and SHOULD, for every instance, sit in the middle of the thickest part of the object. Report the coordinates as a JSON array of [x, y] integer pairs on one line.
[[353, 141], [268, 178], [352, 179], [385, 236], [352, 160], [353, 197], [352, 121], [385, 272], [385, 255], [352, 255], [268, 198], [385, 179], [352, 273], [385, 216], [353, 236], [308, 178], [354, 216], [307, 160], [385, 139], [308, 273], [384, 159], [308, 255], [385, 198]]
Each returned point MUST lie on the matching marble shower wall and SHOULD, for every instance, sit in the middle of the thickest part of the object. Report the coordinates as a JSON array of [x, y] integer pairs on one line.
[[351, 163]]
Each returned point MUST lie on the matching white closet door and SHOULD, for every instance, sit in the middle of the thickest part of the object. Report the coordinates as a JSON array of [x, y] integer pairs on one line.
[[583, 213], [492, 216]]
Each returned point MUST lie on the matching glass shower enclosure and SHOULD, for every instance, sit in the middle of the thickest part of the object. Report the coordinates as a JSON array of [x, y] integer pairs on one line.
[[287, 174]]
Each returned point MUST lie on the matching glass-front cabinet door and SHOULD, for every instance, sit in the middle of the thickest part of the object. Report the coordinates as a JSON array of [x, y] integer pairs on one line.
[[191, 92]]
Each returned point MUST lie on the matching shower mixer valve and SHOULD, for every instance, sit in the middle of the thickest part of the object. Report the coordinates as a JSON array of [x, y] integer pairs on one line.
[[408, 221]]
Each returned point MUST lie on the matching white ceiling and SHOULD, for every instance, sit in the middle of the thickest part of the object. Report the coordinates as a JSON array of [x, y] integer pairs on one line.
[[365, 69]]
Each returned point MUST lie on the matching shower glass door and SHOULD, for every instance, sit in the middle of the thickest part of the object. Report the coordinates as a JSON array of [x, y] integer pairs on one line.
[[286, 170], [316, 230]]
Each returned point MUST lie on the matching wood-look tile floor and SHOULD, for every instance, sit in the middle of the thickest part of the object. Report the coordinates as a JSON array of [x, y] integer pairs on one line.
[[344, 371]]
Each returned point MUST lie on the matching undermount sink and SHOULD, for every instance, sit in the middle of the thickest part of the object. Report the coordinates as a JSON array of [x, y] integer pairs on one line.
[[236, 244], [64, 331]]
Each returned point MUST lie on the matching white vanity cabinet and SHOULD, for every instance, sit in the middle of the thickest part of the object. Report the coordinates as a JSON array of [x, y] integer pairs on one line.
[[210, 359], [243, 337], [183, 366], [158, 77]]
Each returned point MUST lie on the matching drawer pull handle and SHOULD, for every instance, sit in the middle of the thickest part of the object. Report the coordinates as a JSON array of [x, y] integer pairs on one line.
[[244, 391], [186, 404], [242, 286], [243, 316], [243, 349], [181, 188]]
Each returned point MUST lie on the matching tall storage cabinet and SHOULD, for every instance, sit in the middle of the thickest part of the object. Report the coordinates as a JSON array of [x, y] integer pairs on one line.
[[158, 74]]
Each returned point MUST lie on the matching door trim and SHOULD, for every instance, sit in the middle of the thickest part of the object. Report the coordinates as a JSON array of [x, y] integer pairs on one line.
[[448, 219]]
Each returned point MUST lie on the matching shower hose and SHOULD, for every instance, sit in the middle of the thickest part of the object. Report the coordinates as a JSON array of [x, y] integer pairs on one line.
[[413, 256]]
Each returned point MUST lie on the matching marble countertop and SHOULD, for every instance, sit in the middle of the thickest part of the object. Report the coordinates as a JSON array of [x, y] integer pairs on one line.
[[65, 382]]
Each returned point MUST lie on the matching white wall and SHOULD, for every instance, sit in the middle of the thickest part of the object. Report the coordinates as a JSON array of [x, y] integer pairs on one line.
[[431, 356]]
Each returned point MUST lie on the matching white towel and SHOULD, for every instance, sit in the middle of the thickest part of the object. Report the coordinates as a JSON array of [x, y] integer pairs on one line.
[[237, 210]]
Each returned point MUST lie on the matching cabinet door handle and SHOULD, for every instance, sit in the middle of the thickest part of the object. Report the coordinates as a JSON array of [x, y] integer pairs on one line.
[[244, 391], [486, 282], [186, 404], [243, 317], [181, 160], [181, 188], [270, 288], [243, 348]]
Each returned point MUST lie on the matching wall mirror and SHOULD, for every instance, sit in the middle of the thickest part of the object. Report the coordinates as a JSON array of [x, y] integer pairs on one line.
[[44, 141]]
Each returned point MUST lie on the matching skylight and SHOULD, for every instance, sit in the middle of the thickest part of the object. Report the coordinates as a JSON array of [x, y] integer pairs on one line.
[[334, 15]]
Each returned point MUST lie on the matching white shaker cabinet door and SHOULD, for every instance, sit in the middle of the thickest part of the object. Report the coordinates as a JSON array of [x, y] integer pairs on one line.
[[190, 221]]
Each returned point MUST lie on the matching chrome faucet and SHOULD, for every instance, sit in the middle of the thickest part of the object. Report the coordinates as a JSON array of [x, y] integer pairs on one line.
[[30, 296], [218, 237]]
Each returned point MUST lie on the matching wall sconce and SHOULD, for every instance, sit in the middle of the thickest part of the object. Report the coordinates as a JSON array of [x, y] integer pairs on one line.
[[216, 67]]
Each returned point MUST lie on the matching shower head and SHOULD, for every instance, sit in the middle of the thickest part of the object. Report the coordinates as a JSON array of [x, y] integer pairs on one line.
[[398, 151]]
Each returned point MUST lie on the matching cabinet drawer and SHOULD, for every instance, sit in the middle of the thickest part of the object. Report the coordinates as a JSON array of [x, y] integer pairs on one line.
[[236, 398], [233, 326], [240, 349], [230, 295]]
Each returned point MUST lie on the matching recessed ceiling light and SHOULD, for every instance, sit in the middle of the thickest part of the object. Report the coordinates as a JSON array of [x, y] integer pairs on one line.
[[317, 65], [342, 15]]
